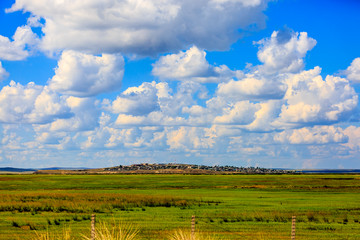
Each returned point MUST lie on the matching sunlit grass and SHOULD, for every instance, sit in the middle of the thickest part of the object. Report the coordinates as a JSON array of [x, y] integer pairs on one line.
[[118, 231], [181, 234], [247, 207], [65, 235], [86, 202]]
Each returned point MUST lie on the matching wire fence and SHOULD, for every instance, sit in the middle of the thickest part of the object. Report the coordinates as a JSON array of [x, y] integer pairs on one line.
[[193, 227]]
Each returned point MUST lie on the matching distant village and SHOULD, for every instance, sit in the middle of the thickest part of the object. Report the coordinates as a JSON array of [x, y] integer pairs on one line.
[[194, 168]]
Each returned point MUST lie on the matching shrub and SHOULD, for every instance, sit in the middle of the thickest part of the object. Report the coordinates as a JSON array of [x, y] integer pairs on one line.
[[311, 217], [278, 218], [15, 224]]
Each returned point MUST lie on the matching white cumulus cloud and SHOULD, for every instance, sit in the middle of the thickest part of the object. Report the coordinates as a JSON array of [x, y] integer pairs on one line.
[[189, 138], [310, 99], [142, 27], [353, 133], [31, 104], [137, 100], [264, 118], [314, 135], [23, 44], [155, 104], [253, 86], [85, 116], [84, 75], [221, 3], [353, 71], [191, 65], [280, 54], [284, 51], [241, 113]]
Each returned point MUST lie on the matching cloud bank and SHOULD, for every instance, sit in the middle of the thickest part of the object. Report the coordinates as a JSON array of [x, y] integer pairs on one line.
[[31, 104], [190, 107], [142, 27]]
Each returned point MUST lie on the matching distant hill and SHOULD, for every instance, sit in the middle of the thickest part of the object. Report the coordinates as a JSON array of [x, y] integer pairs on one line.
[[64, 168], [10, 169], [169, 168], [21, 170], [328, 171]]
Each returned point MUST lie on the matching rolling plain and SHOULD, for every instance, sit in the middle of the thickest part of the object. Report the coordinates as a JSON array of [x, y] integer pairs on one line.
[[226, 206]]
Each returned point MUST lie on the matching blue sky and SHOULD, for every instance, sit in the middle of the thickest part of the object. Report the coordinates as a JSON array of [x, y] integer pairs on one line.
[[226, 82]]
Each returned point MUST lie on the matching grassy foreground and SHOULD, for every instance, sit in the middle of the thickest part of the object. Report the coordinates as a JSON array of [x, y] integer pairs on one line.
[[225, 206]]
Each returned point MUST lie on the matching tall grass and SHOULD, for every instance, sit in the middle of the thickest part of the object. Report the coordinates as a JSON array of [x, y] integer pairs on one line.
[[86, 202], [181, 234], [66, 235], [117, 231]]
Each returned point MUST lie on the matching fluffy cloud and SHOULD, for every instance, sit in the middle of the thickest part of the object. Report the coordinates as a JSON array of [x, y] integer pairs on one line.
[[142, 27], [31, 104], [188, 138], [138, 100], [310, 99], [50, 138], [183, 97], [242, 118], [3, 73], [34, 21], [302, 99], [191, 65], [24, 42], [221, 3], [241, 113], [284, 51], [299, 99], [84, 75], [264, 118], [68, 133], [156, 104], [280, 54], [85, 116], [258, 100], [152, 119], [353, 133], [314, 135], [151, 104], [253, 86], [353, 71]]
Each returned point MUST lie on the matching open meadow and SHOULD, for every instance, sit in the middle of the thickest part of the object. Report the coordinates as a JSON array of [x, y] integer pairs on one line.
[[225, 206]]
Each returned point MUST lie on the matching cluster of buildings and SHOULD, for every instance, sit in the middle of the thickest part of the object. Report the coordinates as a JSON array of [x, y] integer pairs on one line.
[[194, 167]]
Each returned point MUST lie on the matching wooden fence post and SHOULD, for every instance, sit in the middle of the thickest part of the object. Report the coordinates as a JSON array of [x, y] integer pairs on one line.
[[193, 227], [293, 228], [93, 227]]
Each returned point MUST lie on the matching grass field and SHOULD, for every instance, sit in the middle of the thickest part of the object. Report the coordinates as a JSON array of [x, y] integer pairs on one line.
[[225, 206]]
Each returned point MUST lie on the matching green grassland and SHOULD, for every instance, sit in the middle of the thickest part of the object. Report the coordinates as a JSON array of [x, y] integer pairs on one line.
[[225, 206]]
